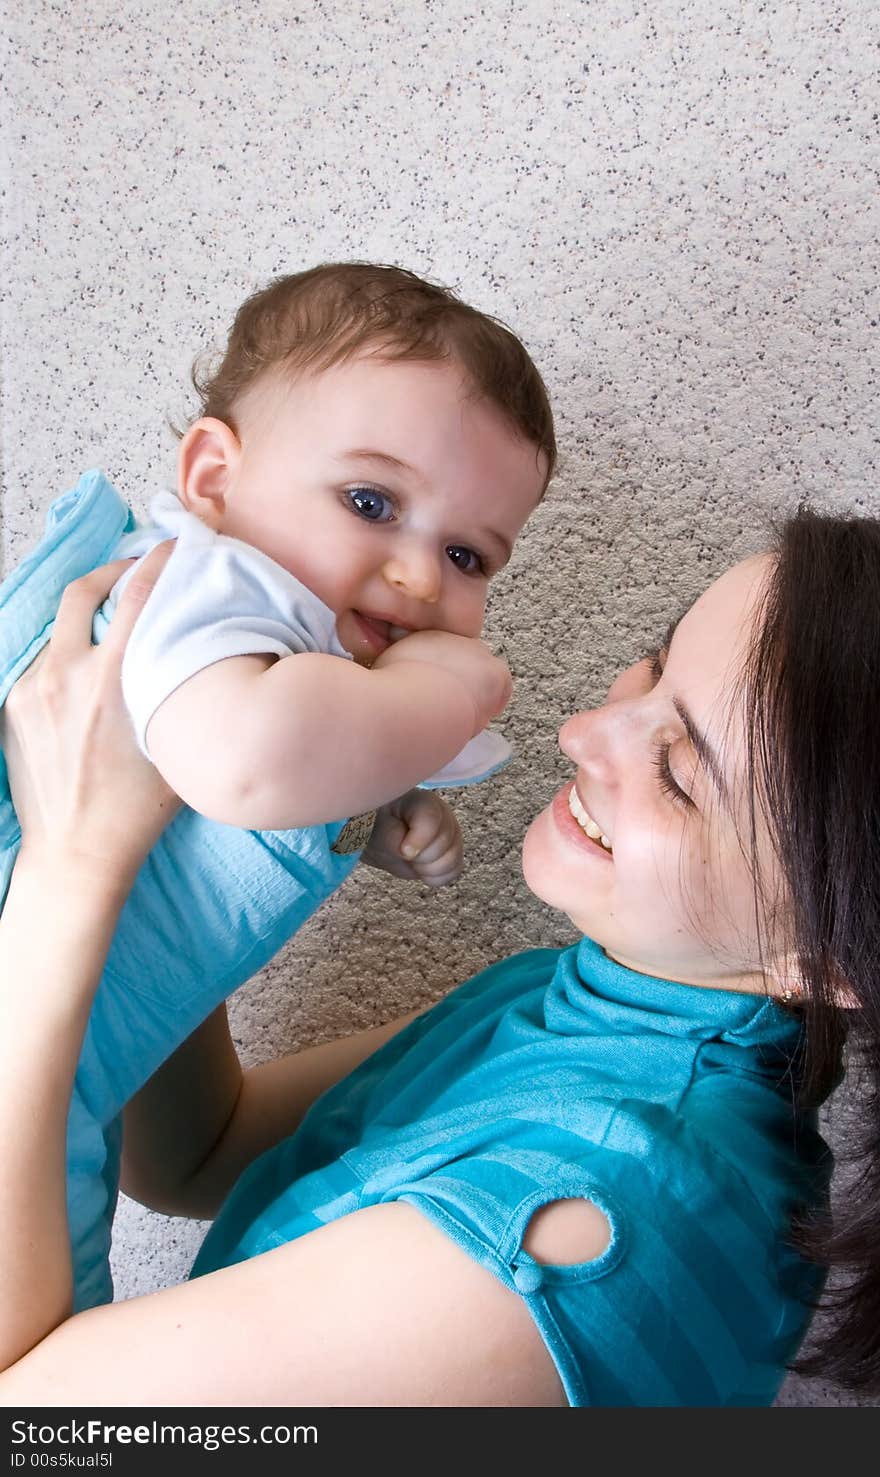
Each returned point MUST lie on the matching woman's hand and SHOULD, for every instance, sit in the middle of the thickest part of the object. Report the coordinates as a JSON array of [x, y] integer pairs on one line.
[[86, 797]]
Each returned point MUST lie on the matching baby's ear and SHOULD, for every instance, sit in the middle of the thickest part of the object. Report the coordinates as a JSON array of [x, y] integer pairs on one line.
[[208, 457]]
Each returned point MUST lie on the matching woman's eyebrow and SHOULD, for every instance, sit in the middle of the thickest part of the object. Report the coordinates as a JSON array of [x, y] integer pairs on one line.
[[700, 744], [704, 751]]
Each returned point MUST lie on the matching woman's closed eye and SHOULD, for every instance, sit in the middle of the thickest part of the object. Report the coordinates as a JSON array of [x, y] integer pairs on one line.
[[660, 757], [370, 503], [668, 783], [655, 663]]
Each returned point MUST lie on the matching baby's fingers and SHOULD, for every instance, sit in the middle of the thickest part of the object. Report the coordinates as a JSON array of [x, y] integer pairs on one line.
[[445, 868], [428, 821]]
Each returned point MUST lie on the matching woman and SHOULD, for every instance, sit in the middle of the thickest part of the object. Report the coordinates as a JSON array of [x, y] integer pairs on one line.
[[572, 1180]]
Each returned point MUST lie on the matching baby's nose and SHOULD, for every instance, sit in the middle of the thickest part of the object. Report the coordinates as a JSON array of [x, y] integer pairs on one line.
[[415, 572]]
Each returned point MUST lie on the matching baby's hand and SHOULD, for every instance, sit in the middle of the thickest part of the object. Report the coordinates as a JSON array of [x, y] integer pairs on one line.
[[484, 675], [417, 837]]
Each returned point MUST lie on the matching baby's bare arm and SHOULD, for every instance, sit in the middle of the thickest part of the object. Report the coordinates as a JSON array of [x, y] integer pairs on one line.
[[313, 738]]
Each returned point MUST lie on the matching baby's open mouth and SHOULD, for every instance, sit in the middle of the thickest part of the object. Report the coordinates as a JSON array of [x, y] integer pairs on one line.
[[585, 821], [384, 629], [373, 623]]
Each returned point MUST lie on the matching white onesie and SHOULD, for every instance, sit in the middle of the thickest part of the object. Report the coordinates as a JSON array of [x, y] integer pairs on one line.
[[218, 597]]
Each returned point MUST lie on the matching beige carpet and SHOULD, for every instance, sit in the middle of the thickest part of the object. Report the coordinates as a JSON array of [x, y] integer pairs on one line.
[[676, 205]]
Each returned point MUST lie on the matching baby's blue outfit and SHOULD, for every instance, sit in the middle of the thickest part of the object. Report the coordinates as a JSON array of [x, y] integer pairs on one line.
[[560, 1074], [210, 906]]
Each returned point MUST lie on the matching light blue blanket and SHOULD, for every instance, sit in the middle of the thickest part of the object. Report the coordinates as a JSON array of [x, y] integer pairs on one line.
[[211, 904]]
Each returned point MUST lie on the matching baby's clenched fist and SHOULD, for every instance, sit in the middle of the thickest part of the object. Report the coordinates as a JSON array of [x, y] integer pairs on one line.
[[417, 837]]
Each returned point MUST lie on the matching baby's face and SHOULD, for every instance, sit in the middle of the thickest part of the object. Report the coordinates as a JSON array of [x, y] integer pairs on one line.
[[386, 489]]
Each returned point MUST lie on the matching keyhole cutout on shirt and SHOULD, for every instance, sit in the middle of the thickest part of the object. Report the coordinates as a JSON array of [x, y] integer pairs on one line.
[[566, 1232]]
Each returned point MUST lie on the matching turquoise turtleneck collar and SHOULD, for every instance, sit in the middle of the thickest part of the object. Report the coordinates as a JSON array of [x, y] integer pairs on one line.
[[622, 1001]]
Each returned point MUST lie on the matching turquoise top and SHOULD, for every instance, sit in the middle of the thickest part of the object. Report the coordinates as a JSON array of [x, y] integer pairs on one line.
[[559, 1074], [210, 906]]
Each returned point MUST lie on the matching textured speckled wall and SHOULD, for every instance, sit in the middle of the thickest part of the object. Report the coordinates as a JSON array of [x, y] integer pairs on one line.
[[675, 204]]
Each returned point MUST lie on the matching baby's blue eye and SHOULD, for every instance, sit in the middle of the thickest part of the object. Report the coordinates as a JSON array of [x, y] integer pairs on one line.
[[464, 559], [371, 504]]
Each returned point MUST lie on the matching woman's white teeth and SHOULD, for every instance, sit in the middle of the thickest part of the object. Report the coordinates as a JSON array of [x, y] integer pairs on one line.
[[585, 821]]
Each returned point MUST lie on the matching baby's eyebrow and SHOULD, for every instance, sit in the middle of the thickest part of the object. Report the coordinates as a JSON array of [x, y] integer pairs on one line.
[[366, 453]]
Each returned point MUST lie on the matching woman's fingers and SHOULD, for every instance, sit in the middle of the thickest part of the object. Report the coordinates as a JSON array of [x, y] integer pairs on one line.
[[72, 631], [82, 790], [135, 596]]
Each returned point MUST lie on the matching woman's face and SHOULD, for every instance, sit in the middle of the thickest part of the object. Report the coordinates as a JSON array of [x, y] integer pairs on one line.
[[651, 864]]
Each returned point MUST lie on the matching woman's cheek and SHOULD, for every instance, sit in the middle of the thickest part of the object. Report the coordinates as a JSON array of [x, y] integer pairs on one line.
[[653, 866]]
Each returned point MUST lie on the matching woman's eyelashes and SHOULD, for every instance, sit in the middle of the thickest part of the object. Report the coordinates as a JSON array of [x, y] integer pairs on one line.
[[660, 758], [668, 783], [655, 663]]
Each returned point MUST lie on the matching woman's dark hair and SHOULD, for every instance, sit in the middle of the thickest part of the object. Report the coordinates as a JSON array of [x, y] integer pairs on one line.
[[812, 693]]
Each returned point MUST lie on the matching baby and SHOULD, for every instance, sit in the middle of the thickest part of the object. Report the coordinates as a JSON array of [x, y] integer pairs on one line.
[[368, 450]]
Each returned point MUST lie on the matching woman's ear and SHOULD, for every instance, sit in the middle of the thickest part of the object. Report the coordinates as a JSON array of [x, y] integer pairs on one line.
[[787, 983], [206, 463], [785, 980]]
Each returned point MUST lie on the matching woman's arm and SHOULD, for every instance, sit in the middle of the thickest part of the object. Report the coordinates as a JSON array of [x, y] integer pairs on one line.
[[200, 1121], [378, 1308], [75, 868], [55, 931]]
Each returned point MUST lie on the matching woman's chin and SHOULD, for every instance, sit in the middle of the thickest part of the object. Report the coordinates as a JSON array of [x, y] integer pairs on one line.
[[550, 876], [540, 868], [530, 858]]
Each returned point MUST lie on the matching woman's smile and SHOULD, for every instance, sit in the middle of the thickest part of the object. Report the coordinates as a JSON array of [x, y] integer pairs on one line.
[[585, 820], [568, 821]]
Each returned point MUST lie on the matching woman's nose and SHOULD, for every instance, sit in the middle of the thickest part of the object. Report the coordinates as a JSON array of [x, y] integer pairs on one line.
[[415, 572], [588, 739], [595, 735]]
